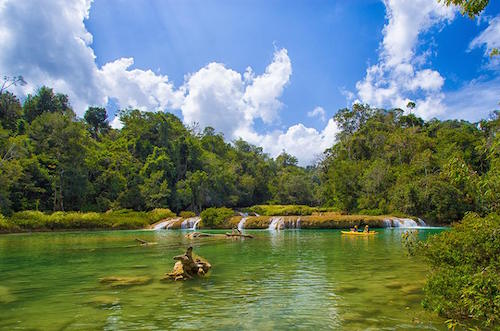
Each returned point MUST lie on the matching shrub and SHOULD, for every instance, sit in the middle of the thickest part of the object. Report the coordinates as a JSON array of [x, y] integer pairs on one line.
[[464, 284], [372, 212], [282, 210], [187, 214], [5, 225], [215, 216], [159, 214]]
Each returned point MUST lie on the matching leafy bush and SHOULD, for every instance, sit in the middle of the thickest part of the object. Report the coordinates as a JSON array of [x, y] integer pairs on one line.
[[159, 214], [215, 216], [5, 225], [372, 212], [119, 219], [187, 214], [464, 284], [282, 210]]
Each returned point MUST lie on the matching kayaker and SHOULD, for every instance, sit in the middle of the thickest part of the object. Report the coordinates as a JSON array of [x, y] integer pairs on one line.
[[354, 229], [366, 230]]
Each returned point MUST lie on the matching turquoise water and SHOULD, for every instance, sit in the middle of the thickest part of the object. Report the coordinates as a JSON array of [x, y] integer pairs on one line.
[[292, 279]]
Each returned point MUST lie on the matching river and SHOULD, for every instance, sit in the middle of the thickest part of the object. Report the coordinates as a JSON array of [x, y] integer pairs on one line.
[[289, 279]]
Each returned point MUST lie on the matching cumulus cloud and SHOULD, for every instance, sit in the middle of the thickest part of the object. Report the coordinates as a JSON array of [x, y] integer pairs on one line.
[[318, 112], [230, 102], [47, 42], [475, 100], [489, 38], [399, 76]]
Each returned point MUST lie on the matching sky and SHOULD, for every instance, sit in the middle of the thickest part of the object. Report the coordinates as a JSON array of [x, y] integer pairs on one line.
[[271, 72]]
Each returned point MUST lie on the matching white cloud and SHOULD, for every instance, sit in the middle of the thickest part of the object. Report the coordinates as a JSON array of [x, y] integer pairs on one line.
[[474, 101], [318, 112], [489, 38], [303, 142], [141, 89], [47, 42], [397, 76], [230, 102]]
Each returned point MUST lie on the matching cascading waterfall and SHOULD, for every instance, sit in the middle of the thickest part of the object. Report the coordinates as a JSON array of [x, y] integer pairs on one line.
[[241, 224], [165, 224], [190, 223], [404, 223], [277, 223]]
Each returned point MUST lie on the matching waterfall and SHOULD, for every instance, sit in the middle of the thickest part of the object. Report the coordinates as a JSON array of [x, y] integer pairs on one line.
[[277, 223], [388, 223], [190, 223], [241, 224], [421, 222], [404, 223], [196, 223], [165, 224]]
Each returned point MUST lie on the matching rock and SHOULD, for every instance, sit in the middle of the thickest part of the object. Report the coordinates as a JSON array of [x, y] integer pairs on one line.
[[115, 281], [188, 266], [104, 301], [394, 285], [5, 295], [412, 289]]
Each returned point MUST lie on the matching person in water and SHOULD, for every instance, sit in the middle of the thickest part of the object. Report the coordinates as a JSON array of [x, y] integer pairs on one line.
[[366, 230]]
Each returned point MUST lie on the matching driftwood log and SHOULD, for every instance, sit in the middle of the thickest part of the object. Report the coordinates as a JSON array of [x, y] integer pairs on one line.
[[238, 235], [188, 266], [144, 242], [193, 235]]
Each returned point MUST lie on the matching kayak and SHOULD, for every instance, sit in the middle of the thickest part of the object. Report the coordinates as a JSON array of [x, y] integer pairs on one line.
[[359, 233]]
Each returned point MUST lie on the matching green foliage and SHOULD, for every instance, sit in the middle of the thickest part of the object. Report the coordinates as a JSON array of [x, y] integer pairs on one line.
[[212, 217], [97, 120], [120, 219], [388, 163], [471, 8], [187, 214], [282, 210], [464, 284], [384, 162]]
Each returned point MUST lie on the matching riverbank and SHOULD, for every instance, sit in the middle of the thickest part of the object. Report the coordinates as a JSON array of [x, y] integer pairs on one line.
[[328, 220], [31, 221], [35, 221]]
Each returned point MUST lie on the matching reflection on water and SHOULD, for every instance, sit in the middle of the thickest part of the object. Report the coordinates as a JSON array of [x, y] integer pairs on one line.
[[299, 279]]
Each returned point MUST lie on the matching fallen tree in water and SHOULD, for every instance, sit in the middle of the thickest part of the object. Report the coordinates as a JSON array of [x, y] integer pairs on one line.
[[188, 266]]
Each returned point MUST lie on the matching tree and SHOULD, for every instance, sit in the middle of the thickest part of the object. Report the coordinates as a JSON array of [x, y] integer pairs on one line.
[[45, 101], [97, 121], [10, 111], [9, 81]]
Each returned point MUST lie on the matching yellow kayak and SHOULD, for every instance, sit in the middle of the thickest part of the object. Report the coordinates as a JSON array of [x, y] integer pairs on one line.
[[359, 233]]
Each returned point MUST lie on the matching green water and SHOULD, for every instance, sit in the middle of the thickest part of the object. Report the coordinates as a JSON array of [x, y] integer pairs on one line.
[[293, 279]]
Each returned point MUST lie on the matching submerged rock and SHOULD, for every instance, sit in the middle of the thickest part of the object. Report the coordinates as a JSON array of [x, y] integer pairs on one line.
[[5, 295], [188, 266], [115, 281], [104, 301]]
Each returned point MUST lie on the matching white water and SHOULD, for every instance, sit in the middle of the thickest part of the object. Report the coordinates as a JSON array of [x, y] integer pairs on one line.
[[165, 224], [241, 224], [190, 223], [279, 223], [404, 223]]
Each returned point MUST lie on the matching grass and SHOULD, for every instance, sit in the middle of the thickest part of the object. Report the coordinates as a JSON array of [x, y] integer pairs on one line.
[[282, 210], [119, 219]]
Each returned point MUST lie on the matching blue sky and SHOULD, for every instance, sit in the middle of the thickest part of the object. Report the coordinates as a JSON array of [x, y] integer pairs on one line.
[[308, 59]]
